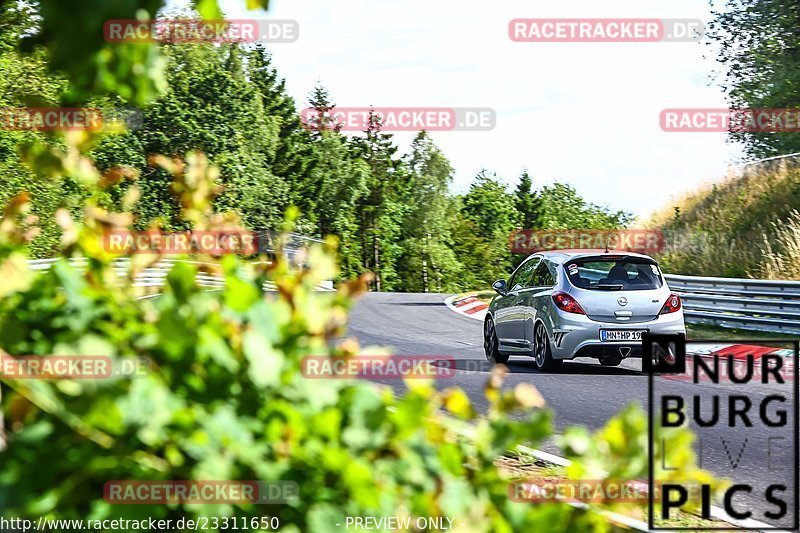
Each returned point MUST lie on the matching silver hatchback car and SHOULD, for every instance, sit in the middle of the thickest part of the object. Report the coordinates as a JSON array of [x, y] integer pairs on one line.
[[564, 304]]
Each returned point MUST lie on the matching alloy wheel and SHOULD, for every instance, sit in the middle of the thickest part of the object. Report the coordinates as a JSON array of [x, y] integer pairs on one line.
[[540, 347], [489, 338]]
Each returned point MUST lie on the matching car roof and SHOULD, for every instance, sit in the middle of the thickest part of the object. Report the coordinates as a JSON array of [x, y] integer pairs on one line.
[[573, 253]]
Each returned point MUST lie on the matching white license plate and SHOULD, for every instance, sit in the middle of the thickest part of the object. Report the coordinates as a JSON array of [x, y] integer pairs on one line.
[[621, 334]]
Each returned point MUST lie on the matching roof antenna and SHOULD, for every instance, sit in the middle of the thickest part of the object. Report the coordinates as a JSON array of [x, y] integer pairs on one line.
[[607, 236]]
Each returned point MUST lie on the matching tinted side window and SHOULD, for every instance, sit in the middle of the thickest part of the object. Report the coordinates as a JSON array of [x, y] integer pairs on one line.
[[522, 276], [551, 275], [542, 277]]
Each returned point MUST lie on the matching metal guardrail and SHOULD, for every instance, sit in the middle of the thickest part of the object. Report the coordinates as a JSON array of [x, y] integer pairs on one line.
[[752, 304], [155, 276], [291, 245], [765, 305], [768, 159]]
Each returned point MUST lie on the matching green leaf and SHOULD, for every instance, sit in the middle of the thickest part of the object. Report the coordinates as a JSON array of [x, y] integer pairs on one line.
[[209, 9], [257, 4], [323, 517], [266, 363]]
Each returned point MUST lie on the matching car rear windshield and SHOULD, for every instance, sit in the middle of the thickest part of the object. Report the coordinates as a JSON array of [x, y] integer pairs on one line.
[[624, 274]]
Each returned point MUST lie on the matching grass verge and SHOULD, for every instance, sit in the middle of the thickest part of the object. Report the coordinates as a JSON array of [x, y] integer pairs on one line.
[[523, 467]]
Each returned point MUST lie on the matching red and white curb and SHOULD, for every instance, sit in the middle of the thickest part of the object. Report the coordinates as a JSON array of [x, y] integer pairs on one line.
[[739, 355], [467, 305], [740, 352]]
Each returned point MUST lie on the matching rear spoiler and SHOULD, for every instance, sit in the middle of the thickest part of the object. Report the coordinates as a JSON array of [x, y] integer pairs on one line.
[[613, 257]]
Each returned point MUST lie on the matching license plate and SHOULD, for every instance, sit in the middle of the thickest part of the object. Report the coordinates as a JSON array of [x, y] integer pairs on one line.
[[621, 334]]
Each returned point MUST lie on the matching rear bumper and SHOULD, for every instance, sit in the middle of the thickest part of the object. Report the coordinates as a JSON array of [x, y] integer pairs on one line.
[[625, 351], [574, 335]]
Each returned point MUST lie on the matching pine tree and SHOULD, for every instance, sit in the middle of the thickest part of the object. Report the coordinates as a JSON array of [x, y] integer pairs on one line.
[[489, 210], [528, 203], [343, 177], [323, 106], [380, 211], [294, 158], [215, 107]]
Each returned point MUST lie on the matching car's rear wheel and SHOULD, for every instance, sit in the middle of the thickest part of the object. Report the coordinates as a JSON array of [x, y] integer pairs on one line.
[[542, 355], [610, 361], [490, 344]]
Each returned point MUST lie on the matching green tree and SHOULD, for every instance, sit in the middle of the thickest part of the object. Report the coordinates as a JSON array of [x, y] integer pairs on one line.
[[213, 105], [528, 203], [343, 185], [488, 216], [381, 211], [428, 262], [490, 206], [563, 208], [757, 44], [93, 66], [322, 104], [25, 81], [294, 158]]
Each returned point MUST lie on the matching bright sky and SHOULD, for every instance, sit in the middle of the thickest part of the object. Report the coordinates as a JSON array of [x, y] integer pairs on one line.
[[582, 113]]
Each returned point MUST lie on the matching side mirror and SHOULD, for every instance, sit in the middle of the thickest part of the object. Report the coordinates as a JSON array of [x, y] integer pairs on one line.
[[500, 287]]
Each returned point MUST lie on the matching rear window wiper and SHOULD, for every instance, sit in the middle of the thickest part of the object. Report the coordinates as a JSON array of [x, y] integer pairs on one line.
[[609, 287]]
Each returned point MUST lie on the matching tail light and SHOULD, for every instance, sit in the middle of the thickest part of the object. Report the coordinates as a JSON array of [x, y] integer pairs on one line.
[[567, 303], [672, 304]]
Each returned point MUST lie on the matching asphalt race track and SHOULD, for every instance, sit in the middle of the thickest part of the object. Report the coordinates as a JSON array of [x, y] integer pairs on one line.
[[583, 392]]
